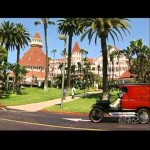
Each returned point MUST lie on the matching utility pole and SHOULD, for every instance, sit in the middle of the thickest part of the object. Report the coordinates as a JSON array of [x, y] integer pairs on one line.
[[64, 38]]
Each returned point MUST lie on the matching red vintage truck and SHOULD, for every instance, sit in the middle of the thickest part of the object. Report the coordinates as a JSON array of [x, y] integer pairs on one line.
[[133, 99]]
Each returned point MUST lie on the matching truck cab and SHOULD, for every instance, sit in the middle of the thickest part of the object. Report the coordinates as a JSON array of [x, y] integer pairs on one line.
[[132, 99]]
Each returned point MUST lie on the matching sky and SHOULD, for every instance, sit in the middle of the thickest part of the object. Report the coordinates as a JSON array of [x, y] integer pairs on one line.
[[140, 29]]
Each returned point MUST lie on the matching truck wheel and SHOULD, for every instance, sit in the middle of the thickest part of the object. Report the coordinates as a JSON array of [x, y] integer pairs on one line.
[[96, 115], [144, 116]]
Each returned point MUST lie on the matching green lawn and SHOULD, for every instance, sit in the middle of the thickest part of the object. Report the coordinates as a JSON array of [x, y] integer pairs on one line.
[[33, 95], [82, 105]]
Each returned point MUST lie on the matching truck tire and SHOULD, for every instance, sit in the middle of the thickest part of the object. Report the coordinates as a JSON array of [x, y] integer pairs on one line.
[[144, 116], [96, 115]]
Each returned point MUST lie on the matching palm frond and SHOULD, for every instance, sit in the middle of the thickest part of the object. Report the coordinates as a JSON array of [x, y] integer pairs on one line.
[[38, 22], [96, 39], [111, 30], [112, 38], [84, 34], [119, 32]]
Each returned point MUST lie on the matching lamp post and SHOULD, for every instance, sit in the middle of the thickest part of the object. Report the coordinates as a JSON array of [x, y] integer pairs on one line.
[[64, 38]]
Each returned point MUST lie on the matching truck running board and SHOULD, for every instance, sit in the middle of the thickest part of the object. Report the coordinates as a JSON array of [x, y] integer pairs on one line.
[[123, 114]]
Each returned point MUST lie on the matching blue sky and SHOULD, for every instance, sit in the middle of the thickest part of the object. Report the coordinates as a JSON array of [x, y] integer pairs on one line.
[[140, 29]]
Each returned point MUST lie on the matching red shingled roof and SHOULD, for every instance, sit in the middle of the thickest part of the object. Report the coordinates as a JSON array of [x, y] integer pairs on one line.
[[76, 47], [126, 74], [116, 48], [61, 60], [33, 57], [35, 73], [37, 35], [91, 60]]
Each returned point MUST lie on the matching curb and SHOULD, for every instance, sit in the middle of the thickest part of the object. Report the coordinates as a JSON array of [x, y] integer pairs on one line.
[[66, 113]]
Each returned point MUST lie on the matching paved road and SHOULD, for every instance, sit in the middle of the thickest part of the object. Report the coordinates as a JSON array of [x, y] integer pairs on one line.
[[21, 120]]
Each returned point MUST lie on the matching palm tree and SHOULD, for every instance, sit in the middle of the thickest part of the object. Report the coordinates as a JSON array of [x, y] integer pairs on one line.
[[103, 27], [21, 39], [79, 67], [118, 54], [82, 53], [73, 77], [129, 53], [7, 34], [54, 51], [112, 56], [45, 22], [141, 51], [86, 52], [70, 27], [98, 68], [3, 56], [60, 67]]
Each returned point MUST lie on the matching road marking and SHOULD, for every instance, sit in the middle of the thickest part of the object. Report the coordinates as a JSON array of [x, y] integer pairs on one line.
[[46, 125], [3, 109], [72, 119], [75, 119]]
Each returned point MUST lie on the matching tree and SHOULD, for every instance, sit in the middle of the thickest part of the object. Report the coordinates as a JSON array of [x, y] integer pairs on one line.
[[3, 56], [20, 71], [98, 68], [112, 56], [70, 27], [21, 39], [141, 51], [129, 53], [83, 52], [45, 22], [54, 51], [60, 67], [7, 34], [79, 67], [118, 54], [13, 36], [102, 28]]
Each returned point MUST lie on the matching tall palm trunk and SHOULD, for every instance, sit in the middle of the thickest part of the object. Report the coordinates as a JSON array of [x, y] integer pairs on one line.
[[113, 70], [17, 83], [5, 78], [137, 62], [54, 66], [69, 60], [141, 69], [105, 64], [0, 80], [46, 67], [119, 66], [130, 68]]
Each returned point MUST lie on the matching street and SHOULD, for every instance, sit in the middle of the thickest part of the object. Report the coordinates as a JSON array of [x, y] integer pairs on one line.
[[21, 120]]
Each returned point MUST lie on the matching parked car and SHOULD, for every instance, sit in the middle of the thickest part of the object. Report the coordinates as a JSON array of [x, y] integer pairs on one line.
[[134, 99]]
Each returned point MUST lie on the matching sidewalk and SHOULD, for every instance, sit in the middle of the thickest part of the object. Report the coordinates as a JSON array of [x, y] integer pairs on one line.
[[39, 106]]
